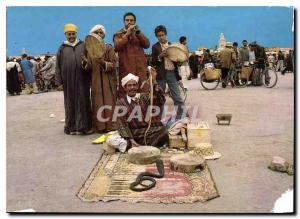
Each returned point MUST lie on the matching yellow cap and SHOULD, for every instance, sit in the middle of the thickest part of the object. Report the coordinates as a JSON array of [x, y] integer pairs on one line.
[[70, 27]]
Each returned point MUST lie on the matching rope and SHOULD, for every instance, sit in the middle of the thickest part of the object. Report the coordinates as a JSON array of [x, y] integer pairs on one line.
[[151, 104]]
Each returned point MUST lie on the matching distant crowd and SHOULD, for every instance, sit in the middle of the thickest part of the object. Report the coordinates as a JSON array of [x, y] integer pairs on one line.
[[37, 74], [31, 74]]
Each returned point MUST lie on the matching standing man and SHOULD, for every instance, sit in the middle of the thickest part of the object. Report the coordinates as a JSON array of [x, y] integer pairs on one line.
[[236, 52], [165, 68], [49, 70], [206, 56], [130, 43], [75, 83], [184, 69], [252, 58], [12, 77], [226, 58], [104, 85], [193, 62], [244, 54], [289, 63], [280, 61], [260, 60], [30, 85], [34, 66]]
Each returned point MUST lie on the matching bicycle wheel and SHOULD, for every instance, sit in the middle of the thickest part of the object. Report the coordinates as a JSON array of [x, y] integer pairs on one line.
[[209, 85], [269, 80], [239, 81]]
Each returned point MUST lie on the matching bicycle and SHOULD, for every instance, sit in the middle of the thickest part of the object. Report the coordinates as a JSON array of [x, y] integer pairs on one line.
[[210, 83], [234, 78], [267, 75]]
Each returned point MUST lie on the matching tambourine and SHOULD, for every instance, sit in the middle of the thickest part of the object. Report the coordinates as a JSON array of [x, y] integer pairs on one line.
[[95, 46]]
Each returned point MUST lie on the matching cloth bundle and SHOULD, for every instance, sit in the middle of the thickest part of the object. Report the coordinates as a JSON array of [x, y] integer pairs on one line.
[[209, 66], [175, 128], [116, 141]]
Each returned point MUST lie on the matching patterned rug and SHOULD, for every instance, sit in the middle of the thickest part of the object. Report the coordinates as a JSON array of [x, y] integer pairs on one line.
[[111, 177]]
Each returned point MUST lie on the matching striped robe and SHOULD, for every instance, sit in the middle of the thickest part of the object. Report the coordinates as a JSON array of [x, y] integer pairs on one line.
[[135, 129]]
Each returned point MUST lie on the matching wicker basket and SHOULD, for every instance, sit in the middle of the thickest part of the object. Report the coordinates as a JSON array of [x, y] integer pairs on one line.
[[212, 74], [246, 72]]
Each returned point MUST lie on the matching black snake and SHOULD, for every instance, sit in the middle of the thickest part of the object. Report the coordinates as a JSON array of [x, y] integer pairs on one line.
[[149, 177]]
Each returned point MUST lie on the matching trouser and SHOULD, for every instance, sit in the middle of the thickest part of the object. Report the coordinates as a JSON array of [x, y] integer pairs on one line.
[[280, 65], [31, 88], [286, 69], [257, 76], [47, 82], [195, 72], [224, 72], [172, 82], [184, 71]]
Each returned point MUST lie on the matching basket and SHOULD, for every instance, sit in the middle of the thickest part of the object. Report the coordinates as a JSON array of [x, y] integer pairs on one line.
[[198, 132], [212, 74], [246, 72]]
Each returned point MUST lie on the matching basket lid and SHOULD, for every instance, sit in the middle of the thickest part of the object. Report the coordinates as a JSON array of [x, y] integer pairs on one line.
[[198, 125], [177, 52]]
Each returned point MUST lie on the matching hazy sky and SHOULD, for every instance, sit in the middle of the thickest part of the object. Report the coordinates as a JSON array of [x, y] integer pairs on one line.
[[40, 29]]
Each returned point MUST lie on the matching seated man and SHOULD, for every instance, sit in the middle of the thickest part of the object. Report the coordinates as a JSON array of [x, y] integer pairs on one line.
[[134, 119]]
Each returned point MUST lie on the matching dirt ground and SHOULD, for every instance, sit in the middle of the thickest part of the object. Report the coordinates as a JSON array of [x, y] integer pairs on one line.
[[46, 168]]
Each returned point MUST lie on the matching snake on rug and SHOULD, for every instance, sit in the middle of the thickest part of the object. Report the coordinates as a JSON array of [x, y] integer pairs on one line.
[[149, 177]]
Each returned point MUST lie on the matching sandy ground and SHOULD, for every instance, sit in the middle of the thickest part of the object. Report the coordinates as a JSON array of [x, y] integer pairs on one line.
[[46, 168]]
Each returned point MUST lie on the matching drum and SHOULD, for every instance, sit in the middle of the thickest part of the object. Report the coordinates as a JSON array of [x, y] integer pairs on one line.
[[95, 46], [177, 52]]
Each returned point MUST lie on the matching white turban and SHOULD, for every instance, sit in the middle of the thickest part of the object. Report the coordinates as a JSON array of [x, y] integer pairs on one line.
[[129, 77], [98, 27]]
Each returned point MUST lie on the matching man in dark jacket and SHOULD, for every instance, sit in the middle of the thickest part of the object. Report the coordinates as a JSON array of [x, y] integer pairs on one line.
[[261, 59], [193, 61], [75, 82], [166, 69]]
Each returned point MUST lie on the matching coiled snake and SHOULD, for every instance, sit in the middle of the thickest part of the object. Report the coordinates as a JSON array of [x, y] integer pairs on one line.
[[149, 177]]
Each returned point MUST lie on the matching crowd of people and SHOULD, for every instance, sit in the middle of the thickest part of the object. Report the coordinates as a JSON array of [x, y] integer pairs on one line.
[[103, 94], [246, 55], [31, 74]]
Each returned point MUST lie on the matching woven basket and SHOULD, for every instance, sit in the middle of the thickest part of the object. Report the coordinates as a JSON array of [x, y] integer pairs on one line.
[[212, 74]]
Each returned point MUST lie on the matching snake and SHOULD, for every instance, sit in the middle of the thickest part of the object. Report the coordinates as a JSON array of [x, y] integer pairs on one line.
[[149, 177]]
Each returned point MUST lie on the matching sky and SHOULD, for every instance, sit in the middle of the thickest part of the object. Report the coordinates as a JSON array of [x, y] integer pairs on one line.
[[40, 29]]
